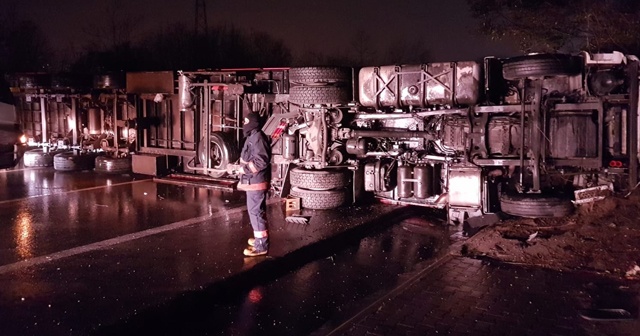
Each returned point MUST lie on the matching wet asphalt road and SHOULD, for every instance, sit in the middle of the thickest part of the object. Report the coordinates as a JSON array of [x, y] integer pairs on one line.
[[312, 296], [84, 253]]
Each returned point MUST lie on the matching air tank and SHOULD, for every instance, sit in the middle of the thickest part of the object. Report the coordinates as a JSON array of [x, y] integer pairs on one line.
[[184, 93], [289, 147], [423, 184], [404, 187]]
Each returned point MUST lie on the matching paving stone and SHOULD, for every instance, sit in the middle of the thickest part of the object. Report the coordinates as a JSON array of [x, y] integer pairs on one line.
[[468, 297]]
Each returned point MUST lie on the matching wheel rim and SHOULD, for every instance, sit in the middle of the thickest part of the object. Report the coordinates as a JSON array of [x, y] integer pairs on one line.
[[216, 155]]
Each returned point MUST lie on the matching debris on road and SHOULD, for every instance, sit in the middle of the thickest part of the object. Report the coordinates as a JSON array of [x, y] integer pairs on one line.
[[593, 194], [601, 236], [634, 271], [298, 219]]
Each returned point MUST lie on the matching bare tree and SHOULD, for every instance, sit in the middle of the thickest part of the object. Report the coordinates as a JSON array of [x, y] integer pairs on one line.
[[553, 25], [406, 52], [112, 28], [23, 46], [362, 48]]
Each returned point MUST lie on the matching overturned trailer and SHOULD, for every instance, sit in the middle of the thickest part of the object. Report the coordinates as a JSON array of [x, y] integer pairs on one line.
[[519, 135], [75, 122]]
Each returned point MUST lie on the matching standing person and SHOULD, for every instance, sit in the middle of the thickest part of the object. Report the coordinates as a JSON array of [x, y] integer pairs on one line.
[[255, 173]]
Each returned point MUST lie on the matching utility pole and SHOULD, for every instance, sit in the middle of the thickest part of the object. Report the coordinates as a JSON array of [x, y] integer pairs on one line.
[[201, 25]]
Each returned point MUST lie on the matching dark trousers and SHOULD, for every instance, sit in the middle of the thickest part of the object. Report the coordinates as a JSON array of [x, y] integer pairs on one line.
[[257, 207]]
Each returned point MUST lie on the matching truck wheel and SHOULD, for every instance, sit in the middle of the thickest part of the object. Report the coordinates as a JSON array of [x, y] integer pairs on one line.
[[534, 206], [540, 65], [38, 158], [319, 75], [111, 165], [319, 179], [68, 161], [222, 151], [320, 199], [319, 95]]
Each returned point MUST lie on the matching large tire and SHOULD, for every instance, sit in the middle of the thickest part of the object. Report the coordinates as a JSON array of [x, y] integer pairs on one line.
[[319, 95], [320, 199], [535, 206], [319, 179], [38, 158], [540, 66], [68, 161], [111, 165], [223, 151], [319, 75]]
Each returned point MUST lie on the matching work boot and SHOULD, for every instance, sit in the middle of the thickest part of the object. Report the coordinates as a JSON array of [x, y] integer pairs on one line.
[[260, 247]]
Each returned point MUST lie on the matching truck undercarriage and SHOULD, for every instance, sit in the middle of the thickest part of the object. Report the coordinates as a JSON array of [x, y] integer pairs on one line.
[[520, 135]]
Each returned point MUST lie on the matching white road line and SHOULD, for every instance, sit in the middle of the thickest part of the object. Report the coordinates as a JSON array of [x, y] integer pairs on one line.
[[73, 191], [9, 170], [118, 240]]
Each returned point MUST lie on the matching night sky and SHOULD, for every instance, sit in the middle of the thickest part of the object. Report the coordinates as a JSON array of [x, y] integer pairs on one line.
[[304, 25]]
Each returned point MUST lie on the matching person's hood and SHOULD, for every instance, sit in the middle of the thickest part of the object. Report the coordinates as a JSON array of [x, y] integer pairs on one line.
[[252, 124]]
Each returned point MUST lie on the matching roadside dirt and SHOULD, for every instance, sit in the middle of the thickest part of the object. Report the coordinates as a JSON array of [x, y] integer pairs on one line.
[[602, 237]]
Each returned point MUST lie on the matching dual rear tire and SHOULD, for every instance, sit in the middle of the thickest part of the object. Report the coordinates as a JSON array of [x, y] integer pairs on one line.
[[69, 161], [320, 189], [36, 158], [113, 165]]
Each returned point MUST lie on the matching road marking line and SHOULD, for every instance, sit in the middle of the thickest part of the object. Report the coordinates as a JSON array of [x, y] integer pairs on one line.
[[72, 191], [15, 170], [118, 240]]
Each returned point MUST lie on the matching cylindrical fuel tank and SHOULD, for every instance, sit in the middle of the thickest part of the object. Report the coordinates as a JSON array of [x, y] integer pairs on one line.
[[184, 92], [450, 83], [289, 146], [404, 187], [93, 121], [423, 186]]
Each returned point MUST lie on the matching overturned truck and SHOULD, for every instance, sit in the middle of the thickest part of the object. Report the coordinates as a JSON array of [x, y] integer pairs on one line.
[[518, 135]]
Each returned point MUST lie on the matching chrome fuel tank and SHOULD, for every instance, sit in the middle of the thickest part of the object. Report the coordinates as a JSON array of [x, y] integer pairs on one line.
[[450, 83]]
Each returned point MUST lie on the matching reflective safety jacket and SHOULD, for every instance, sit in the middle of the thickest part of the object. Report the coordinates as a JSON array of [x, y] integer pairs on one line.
[[255, 162]]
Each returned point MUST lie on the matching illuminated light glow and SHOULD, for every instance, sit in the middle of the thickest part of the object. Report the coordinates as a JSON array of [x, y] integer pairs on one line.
[[23, 139], [24, 234], [109, 182], [72, 123], [255, 295]]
